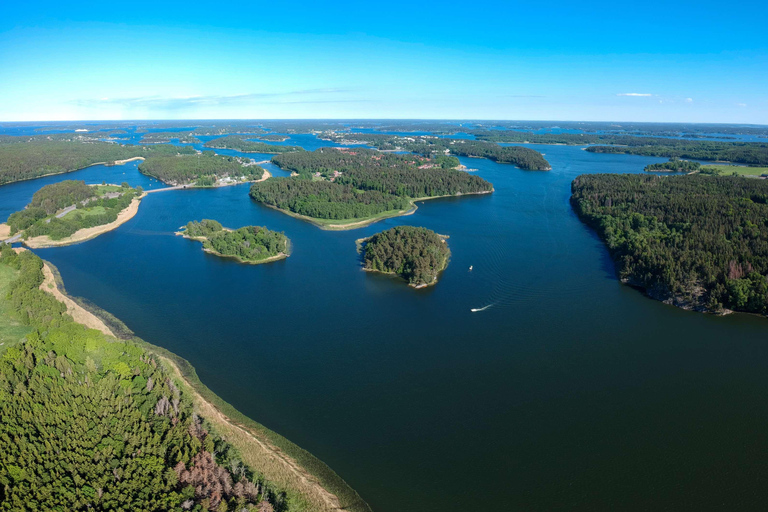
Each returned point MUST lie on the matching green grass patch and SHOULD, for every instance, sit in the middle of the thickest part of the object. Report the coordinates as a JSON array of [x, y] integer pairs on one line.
[[104, 189], [728, 170], [11, 330], [85, 212]]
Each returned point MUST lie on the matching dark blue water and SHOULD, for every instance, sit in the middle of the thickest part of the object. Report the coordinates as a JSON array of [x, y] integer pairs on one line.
[[570, 392]]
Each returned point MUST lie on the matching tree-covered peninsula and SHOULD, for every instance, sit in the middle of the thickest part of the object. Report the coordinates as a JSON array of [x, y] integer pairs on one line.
[[428, 145], [204, 169], [339, 187], [249, 244], [416, 254], [71, 211], [698, 242], [23, 158], [90, 422], [249, 146]]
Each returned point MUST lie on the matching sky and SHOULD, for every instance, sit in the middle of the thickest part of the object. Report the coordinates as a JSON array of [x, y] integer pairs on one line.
[[670, 61]]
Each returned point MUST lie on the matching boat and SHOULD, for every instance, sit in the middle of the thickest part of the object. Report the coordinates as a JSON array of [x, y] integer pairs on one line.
[[470, 267]]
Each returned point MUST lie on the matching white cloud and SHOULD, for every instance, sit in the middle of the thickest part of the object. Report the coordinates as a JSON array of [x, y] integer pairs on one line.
[[689, 100], [741, 104], [643, 94]]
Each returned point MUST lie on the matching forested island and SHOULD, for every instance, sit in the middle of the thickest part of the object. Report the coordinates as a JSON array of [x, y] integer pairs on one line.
[[273, 137], [416, 254], [338, 188], [427, 145], [23, 158], [71, 211], [249, 244], [206, 169], [698, 242], [93, 421], [249, 146]]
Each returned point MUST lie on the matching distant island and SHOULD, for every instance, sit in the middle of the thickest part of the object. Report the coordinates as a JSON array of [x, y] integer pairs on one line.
[[248, 146], [749, 153], [184, 137], [23, 158], [429, 145], [70, 211], [695, 241], [249, 244], [341, 188], [272, 137], [416, 254], [206, 169]]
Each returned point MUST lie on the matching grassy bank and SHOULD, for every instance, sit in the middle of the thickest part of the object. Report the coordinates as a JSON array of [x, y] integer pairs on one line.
[[727, 170], [11, 330]]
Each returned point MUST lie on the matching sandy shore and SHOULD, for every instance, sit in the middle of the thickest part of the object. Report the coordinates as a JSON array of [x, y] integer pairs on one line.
[[5, 231], [87, 233], [121, 162], [74, 310]]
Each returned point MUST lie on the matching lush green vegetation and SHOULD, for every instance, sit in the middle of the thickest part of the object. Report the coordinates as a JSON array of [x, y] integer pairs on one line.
[[249, 146], [750, 153], [674, 165], [91, 422], [23, 158], [344, 184], [251, 244], [524, 158], [273, 137], [39, 217], [733, 170], [325, 199], [200, 169], [695, 241], [12, 331], [417, 255]]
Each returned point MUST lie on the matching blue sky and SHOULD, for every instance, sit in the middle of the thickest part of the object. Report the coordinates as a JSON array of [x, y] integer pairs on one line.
[[650, 61]]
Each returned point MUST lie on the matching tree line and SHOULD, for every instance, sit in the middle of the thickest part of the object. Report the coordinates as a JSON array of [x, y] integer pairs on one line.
[[95, 423], [416, 254], [696, 241], [673, 165]]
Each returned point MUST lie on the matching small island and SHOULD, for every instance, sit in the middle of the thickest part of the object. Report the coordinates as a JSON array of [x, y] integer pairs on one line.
[[416, 254], [70, 211], [248, 146], [249, 244]]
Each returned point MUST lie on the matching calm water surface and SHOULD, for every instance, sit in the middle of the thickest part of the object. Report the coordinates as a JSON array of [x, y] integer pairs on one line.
[[570, 392]]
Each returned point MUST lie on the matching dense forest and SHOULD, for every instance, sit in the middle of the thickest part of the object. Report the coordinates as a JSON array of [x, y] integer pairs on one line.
[[694, 241], [249, 146], [416, 254], [524, 158], [339, 183], [94, 423], [674, 165], [199, 169], [750, 153], [324, 199], [92, 209], [273, 137], [23, 158], [248, 244]]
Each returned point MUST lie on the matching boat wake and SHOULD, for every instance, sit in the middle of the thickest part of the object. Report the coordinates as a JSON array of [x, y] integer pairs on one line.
[[475, 310]]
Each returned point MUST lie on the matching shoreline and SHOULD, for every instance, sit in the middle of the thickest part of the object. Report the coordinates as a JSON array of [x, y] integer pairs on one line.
[[355, 224], [265, 451], [85, 234]]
